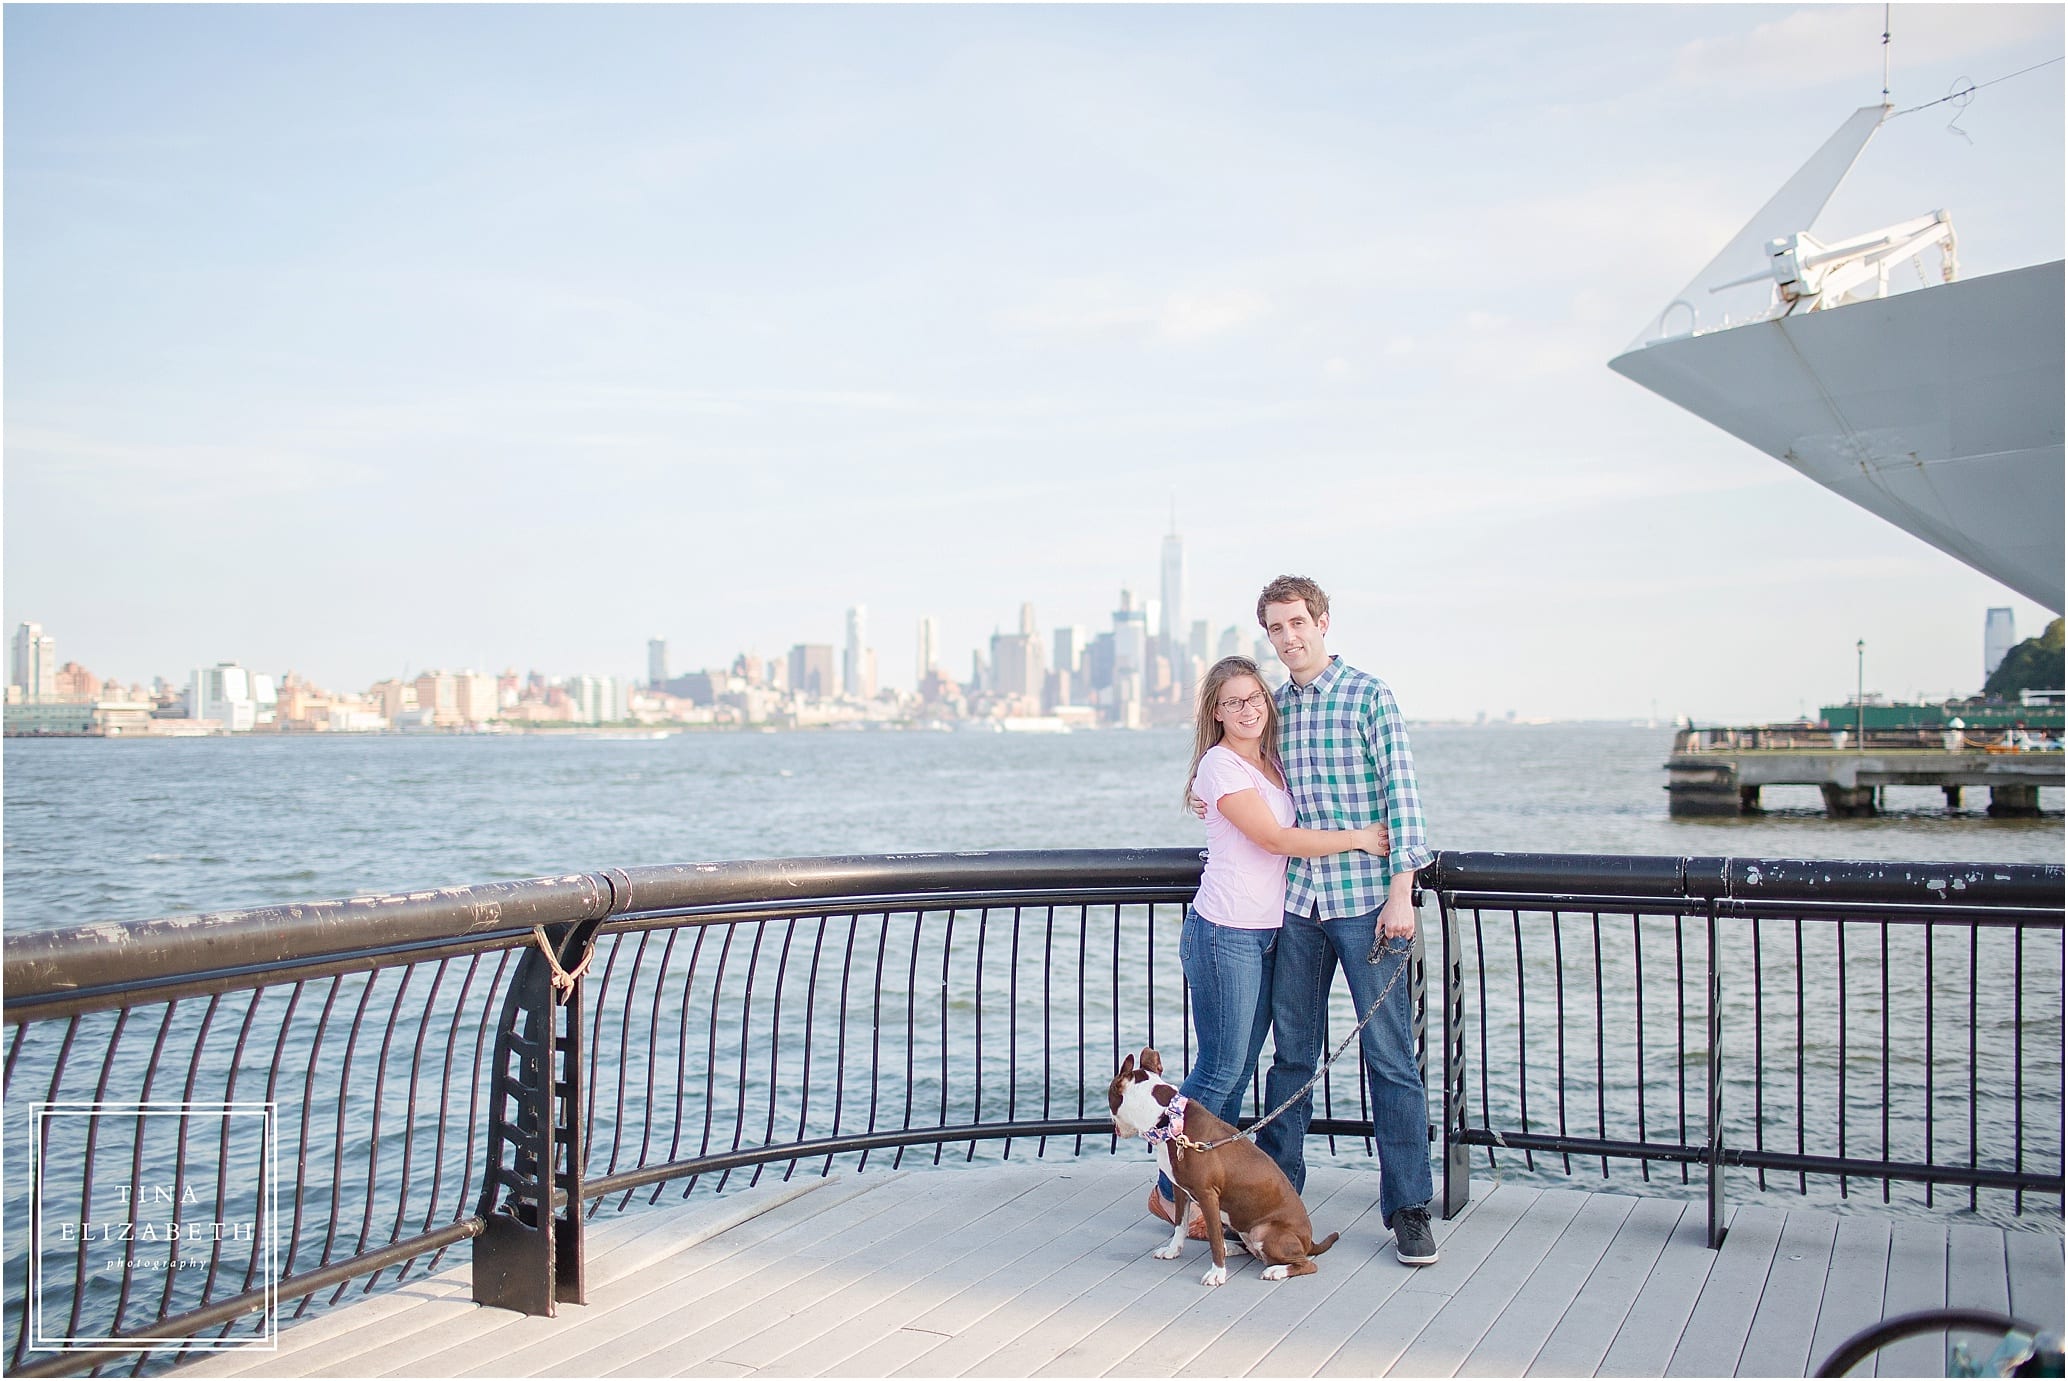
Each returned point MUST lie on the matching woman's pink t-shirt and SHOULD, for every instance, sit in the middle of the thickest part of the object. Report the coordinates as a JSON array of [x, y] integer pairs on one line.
[[1244, 884]]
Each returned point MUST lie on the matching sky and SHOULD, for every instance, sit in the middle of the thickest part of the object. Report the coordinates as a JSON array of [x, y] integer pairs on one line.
[[356, 340]]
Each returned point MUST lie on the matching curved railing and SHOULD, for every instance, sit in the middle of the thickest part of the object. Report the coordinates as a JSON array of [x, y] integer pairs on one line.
[[500, 1063]]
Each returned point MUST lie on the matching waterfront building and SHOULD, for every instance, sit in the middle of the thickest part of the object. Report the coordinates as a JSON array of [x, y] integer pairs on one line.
[[507, 692], [265, 698], [73, 681], [813, 671], [438, 692], [223, 693], [34, 664], [1999, 636], [393, 697], [656, 661], [596, 700], [475, 697], [1016, 668], [1231, 642]]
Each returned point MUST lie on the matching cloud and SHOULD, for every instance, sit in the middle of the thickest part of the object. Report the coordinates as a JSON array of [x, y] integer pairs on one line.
[[1813, 48]]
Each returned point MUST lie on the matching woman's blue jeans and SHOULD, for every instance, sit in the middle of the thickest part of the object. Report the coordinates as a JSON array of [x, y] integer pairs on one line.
[[1229, 971]]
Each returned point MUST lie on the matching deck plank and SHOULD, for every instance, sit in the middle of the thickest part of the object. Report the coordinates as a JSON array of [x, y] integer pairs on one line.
[[1337, 1199], [1856, 1284], [1581, 1338], [1513, 1340], [1784, 1319], [1657, 1321], [1330, 1328], [1722, 1319], [1431, 1324], [1916, 1280], [744, 1302], [537, 1346], [1061, 1207], [2035, 1263]]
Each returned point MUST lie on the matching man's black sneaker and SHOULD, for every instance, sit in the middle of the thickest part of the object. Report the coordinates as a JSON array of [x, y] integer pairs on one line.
[[1413, 1242]]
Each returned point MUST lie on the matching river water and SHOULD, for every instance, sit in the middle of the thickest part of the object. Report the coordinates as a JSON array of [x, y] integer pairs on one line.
[[112, 829]]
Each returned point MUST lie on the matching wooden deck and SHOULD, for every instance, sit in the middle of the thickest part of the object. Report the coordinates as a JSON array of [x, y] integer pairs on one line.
[[1044, 1269]]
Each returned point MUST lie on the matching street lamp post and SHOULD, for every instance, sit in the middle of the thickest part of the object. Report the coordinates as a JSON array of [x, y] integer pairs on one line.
[[1860, 696]]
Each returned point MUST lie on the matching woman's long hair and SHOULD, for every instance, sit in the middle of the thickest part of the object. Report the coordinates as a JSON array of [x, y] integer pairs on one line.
[[1208, 731]]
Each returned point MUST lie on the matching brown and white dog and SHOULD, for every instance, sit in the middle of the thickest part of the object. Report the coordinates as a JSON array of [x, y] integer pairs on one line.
[[1236, 1179]]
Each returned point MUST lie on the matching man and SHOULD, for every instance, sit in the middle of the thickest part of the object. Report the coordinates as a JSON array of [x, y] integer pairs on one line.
[[1347, 764]]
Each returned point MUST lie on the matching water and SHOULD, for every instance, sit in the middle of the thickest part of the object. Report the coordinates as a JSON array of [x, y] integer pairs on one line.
[[114, 829]]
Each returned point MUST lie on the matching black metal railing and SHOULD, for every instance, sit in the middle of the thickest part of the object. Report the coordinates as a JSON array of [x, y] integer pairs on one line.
[[501, 1063], [1820, 1023]]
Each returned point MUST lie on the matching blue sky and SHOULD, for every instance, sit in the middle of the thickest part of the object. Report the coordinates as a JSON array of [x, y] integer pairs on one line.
[[350, 338]]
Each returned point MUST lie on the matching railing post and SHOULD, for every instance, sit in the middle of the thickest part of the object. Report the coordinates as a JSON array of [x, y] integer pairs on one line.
[[529, 1255], [1715, 1149], [1457, 1156]]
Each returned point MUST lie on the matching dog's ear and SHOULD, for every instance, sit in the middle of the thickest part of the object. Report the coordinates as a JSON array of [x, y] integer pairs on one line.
[[1127, 1066], [1152, 1062]]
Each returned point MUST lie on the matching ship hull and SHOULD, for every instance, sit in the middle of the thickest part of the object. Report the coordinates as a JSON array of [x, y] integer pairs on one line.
[[1939, 410]]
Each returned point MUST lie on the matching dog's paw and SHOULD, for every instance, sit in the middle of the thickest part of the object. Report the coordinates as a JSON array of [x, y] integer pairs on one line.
[[1169, 1253], [1276, 1272], [1215, 1275]]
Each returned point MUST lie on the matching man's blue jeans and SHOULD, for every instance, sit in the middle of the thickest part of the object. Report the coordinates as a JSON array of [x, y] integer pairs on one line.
[[1230, 973], [1308, 954]]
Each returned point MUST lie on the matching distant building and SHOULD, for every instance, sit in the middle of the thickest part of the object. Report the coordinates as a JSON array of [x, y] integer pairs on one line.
[[1016, 665], [929, 646], [1231, 642], [1999, 636], [392, 697], [34, 664], [75, 682], [813, 672], [656, 661], [223, 693], [475, 697], [439, 693], [1069, 650], [851, 657], [1171, 625]]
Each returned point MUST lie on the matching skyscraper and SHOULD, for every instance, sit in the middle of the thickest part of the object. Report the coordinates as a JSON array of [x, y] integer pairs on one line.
[[1999, 636], [34, 665], [851, 660], [1172, 625], [929, 645], [656, 662]]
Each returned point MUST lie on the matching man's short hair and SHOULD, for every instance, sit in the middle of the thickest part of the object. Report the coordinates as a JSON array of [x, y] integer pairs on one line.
[[1288, 588]]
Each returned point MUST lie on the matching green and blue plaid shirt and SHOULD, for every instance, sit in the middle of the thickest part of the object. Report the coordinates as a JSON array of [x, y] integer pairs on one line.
[[1347, 764]]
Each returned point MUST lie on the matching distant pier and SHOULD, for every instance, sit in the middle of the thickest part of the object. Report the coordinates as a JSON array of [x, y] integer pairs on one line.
[[1721, 771]]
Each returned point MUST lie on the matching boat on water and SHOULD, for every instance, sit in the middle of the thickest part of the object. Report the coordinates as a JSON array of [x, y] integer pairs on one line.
[[1938, 409]]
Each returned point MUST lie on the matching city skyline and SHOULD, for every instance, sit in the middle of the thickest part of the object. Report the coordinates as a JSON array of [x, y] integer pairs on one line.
[[354, 339]]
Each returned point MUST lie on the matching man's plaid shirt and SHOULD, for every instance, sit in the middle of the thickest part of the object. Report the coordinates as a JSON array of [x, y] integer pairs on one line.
[[1347, 763]]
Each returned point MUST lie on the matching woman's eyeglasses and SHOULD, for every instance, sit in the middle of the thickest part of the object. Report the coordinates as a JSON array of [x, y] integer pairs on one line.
[[1248, 702]]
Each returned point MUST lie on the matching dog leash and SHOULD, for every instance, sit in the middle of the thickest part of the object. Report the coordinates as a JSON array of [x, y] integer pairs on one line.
[[1180, 1140]]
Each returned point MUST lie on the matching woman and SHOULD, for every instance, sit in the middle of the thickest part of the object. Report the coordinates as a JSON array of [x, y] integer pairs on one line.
[[1231, 928]]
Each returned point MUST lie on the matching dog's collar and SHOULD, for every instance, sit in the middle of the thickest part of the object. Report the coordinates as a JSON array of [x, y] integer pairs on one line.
[[1171, 1124]]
